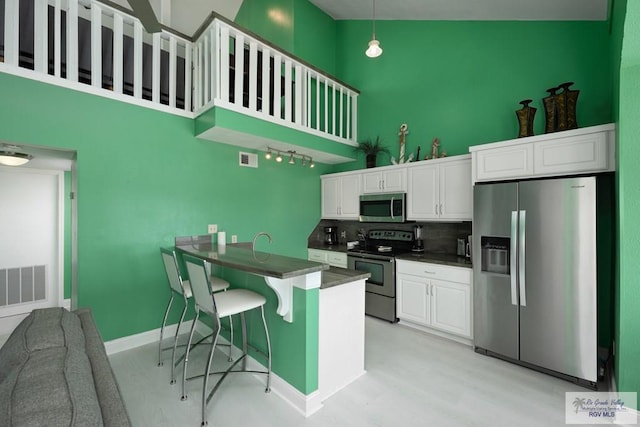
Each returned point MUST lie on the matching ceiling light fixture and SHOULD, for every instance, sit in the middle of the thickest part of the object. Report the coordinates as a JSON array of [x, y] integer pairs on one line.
[[10, 158], [374, 50], [306, 160]]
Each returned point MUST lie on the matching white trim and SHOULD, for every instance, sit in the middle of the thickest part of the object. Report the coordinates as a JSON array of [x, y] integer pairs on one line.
[[306, 405], [81, 87]]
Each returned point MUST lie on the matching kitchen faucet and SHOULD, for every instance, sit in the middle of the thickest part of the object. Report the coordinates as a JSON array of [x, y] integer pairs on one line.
[[253, 246]]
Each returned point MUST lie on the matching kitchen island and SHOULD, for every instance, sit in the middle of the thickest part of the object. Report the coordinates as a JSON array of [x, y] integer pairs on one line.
[[318, 351]]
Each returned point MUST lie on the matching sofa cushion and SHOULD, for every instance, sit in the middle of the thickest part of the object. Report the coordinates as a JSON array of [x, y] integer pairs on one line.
[[48, 379]]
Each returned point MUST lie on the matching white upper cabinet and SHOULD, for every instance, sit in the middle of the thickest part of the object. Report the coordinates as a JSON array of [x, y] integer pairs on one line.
[[440, 189], [584, 150], [341, 196], [393, 180]]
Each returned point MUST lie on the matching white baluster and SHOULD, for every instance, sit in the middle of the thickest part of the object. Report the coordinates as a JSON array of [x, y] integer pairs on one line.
[[287, 89], [205, 54], [348, 112], [187, 77], [266, 84], [155, 64], [96, 45], [118, 42], [341, 132], [326, 105], [40, 34], [57, 39], [213, 68], [239, 76], [354, 118], [317, 101], [253, 76], [299, 100], [11, 32], [224, 64], [72, 41], [173, 60], [137, 59], [197, 75], [333, 100], [277, 85]]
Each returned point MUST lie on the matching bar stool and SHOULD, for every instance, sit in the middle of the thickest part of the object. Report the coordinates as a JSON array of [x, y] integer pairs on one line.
[[182, 289], [234, 301]]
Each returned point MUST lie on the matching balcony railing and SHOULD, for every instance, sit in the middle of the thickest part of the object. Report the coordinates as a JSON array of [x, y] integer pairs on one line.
[[98, 48]]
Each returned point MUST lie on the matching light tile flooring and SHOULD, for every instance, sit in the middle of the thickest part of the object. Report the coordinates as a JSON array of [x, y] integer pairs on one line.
[[413, 379]]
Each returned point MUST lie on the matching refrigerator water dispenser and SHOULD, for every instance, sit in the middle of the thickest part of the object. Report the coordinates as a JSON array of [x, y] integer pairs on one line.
[[495, 254]]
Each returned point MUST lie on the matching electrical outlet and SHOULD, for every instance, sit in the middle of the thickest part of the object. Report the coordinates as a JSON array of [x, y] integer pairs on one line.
[[234, 239], [343, 234], [212, 228]]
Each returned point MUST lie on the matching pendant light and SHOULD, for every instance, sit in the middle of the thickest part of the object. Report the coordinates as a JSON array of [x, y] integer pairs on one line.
[[374, 50]]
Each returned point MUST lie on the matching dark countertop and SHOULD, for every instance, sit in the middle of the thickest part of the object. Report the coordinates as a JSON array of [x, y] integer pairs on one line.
[[241, 257], [435, 258], [335, 276]]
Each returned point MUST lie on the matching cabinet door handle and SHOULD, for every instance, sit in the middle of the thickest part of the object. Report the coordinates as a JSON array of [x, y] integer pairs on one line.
[[382, 184], [440, 208], [430, 272], [436, 209]]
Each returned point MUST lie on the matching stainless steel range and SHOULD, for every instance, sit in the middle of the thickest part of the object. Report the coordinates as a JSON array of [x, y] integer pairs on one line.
[[377, 256]]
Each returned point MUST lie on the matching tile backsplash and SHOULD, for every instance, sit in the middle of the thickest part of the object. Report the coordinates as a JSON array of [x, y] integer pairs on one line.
[[439, 237]]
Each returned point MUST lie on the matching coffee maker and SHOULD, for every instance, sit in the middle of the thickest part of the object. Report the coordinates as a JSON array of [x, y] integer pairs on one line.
[[330, 235], [418, 244]]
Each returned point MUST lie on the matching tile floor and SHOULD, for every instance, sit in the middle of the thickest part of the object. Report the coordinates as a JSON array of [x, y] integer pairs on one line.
[[413, 379]]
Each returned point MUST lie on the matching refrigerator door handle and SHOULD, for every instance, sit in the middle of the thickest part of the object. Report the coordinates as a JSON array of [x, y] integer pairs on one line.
[[521, 258], [512, 257]]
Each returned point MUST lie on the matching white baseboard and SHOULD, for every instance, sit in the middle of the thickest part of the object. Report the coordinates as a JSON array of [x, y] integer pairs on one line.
[[304, 404]]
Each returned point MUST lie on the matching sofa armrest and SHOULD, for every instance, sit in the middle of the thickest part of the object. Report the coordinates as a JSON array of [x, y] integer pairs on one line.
[[113, 409]]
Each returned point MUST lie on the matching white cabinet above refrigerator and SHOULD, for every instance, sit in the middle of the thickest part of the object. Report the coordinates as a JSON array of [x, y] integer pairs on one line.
[[571, 152]]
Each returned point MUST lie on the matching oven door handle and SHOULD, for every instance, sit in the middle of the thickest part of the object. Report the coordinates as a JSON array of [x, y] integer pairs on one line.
[[391, 208]]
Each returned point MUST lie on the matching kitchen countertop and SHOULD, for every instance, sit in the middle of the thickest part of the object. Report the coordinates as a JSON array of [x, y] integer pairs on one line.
[[335, 276], [432, 257], [242, 258]]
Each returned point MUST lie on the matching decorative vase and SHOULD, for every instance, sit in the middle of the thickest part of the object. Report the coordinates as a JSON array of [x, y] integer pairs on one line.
[[566, 102], [525, 118], [371, 160], [550, 111]]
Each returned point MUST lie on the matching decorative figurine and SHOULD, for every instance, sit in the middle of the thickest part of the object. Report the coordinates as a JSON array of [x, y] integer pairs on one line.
[[525, 118], [566, 102], [550, 111], [403, 134], [435, 146]]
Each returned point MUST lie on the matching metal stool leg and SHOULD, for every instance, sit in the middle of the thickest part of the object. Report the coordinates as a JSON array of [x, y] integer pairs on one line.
[[175, 344], [231, 338], [164, 322], [186, 355], [205, 399], [266, 332]]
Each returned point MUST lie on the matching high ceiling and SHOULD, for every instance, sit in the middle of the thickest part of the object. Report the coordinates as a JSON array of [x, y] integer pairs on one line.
[[468, 10]]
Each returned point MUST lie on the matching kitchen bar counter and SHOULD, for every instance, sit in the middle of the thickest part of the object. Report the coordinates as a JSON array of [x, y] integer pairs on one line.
[[241, 257], [335, 276]]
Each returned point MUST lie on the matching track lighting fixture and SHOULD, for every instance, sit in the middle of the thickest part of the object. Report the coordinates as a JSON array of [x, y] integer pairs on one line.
[[306, 160]]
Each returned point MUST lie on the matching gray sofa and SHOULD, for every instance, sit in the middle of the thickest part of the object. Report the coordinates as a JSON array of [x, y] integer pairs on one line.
[[54, 371]]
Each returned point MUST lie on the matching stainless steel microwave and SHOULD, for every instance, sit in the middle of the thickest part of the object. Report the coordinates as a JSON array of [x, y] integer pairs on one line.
[[387, 207]]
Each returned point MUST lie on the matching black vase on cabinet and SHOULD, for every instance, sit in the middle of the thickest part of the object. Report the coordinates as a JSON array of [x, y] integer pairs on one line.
[[525, 118]]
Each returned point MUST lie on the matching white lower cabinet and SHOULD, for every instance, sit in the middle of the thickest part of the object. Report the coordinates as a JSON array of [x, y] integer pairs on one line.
[[336, 259], [435, 296]]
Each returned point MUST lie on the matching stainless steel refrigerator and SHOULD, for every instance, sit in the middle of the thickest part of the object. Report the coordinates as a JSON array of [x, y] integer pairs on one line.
[[535, 275]]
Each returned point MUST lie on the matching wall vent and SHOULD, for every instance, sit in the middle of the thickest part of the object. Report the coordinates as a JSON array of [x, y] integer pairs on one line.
[[22, 284], [248, 160]]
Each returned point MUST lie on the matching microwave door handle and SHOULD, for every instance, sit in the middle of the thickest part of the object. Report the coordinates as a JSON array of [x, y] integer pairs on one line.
[[512, 257], [521, 258], [391, 208]]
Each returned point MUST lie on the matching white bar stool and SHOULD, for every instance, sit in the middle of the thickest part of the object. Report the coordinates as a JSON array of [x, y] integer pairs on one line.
[[229, 303]]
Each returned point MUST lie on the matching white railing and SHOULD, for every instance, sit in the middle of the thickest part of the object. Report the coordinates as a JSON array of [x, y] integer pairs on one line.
[[90, 46], [274, 86]]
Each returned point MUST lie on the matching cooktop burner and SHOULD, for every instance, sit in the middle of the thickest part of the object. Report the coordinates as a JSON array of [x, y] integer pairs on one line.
[[385, 242]]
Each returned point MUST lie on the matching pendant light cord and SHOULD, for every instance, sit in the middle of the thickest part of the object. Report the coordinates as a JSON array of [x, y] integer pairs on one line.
[[374, 19]]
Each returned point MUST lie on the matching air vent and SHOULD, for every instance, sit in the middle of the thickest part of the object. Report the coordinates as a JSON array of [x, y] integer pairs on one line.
[[248, 159], [22, 284]]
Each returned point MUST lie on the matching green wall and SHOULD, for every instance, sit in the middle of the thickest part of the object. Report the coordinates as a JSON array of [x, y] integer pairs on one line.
[[462, 81], [143, 178], [628, 315]]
